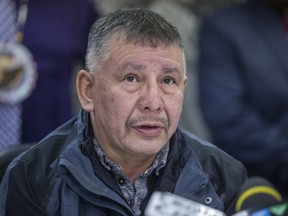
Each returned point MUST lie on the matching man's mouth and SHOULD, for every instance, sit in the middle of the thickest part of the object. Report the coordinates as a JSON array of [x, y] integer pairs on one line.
[[150, 130]]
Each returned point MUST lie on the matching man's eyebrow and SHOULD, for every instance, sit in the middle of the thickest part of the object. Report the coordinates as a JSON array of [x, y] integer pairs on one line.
[[132, 65], [138, 67], [170, 70]]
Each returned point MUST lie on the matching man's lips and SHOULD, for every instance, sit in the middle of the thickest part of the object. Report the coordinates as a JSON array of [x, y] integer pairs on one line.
[[149, 129]]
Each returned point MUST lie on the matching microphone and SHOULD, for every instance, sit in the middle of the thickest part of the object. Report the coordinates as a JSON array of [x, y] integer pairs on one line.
[[168, 204], [258, 197]]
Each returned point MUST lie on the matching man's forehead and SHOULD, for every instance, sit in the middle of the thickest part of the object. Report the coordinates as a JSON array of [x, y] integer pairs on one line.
[[139, 52], [122, 38]]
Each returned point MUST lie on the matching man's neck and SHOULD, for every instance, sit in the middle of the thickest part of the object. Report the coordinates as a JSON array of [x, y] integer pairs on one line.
[[134, 167]]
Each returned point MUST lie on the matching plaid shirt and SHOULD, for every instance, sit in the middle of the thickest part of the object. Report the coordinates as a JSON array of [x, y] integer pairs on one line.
[[134, 194]]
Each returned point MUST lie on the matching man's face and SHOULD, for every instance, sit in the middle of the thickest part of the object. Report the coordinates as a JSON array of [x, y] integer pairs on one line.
[[138, 97]]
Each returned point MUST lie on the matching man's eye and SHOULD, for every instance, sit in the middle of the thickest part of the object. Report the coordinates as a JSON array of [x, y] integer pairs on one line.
[[169, 81], [130, 78]]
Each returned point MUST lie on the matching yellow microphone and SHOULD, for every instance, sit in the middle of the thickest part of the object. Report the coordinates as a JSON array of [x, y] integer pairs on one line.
[[259, 197]]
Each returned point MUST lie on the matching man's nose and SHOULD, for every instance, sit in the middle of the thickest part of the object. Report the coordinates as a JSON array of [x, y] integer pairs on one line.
[[151, 99]]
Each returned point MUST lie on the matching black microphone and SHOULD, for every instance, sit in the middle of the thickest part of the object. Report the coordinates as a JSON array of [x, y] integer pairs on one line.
[[260, 198]]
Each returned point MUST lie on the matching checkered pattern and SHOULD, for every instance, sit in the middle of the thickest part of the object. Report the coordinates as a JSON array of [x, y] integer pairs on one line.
[[10, 114], [10, 123], [7, 20]]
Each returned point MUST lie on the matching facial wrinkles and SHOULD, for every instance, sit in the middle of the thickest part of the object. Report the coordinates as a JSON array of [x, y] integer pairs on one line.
[[153, 66], [150, 118], [165, 51], [152, 72], [126, 56]]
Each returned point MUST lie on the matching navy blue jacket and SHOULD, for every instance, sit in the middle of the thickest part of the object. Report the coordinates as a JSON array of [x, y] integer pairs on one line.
[[243, 80], [62, 176]]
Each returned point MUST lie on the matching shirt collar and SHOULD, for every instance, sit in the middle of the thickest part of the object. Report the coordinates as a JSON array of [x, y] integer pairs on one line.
[[159, 162]]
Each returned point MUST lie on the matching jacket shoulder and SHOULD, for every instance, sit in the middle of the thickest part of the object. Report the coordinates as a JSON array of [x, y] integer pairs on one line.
[[29, 179], [226, 173]]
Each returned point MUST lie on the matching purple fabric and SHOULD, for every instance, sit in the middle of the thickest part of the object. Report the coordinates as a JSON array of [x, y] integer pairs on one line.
[[56, 33]]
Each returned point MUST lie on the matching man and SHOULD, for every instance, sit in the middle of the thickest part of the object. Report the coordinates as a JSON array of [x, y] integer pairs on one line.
[[124, 144], [243, 72]]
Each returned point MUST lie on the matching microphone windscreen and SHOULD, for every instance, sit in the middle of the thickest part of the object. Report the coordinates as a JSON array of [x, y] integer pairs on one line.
[[257, 192]]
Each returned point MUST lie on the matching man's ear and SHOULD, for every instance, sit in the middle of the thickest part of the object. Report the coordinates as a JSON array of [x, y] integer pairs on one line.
[[185, 81], [84, 87]]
